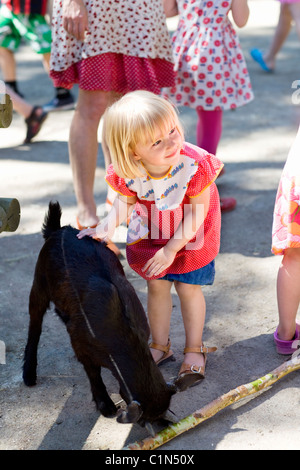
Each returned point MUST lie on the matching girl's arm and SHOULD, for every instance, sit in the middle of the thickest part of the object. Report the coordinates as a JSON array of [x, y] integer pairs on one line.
[[240, 12], [194, 216], [170, 7], [75, 18], [117, 214]]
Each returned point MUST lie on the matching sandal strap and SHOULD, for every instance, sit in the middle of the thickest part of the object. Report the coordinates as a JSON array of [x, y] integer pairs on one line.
[[159, 347], [202, 349], [191, 368], [32, 115]]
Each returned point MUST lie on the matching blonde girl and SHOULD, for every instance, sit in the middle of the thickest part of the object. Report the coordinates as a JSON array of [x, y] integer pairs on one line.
[[174, 229]]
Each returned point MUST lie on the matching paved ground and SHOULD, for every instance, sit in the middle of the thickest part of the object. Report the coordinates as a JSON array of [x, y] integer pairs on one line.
[[241, 306]]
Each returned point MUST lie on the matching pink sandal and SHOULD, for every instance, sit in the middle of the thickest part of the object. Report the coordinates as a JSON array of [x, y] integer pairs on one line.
[[287, 347]]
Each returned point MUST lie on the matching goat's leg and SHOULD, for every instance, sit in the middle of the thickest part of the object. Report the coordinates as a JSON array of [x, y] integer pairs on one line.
[[103, 402], [38, 304]]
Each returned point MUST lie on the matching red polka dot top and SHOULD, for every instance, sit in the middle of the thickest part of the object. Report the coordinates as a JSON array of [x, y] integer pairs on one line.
[[160, 208]]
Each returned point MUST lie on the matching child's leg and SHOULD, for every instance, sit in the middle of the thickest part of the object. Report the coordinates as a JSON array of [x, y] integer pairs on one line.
[[288, 293], [20, 105], [209, 129], [281, 33], [159, 313], [295, 12], [193, 309], [46, 61], [7, 64]]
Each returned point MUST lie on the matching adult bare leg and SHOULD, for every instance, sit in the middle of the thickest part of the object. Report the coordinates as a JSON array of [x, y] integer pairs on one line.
[[83, 150]]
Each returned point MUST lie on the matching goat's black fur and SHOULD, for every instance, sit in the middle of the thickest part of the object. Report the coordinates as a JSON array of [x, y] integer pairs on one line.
[[102, 313]]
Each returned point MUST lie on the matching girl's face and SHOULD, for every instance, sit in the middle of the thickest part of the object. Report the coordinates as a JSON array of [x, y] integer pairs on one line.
[[163, 151]]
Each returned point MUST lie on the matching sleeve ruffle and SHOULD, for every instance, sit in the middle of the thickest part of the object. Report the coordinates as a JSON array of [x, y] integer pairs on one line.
[[117, 183], [209, 168]]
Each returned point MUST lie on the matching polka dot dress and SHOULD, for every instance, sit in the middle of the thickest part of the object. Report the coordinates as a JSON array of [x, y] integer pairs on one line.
[[160, 209], [210, 68], [127, 47]]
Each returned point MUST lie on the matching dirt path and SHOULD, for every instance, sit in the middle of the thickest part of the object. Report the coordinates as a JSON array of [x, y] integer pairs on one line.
[[241, 306]]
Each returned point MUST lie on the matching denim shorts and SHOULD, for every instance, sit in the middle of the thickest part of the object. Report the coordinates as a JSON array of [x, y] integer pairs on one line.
[[203, 277]]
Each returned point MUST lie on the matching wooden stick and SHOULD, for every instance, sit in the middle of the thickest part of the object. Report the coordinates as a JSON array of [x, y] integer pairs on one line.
[[6, 110], [3, 219], [215, 406], [9, 214]]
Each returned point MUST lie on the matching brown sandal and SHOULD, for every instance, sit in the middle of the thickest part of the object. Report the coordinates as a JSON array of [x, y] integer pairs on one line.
[[167, 353], [190, 375]]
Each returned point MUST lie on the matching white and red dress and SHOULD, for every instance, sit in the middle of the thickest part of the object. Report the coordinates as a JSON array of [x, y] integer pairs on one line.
[[160, 209], [211, 72], [126, 48]]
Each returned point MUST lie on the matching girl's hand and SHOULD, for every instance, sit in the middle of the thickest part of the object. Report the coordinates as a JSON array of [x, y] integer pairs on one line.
[[162, 259], [87, 232], [99, 232], [75, 18], [106, 228], [195, 214]]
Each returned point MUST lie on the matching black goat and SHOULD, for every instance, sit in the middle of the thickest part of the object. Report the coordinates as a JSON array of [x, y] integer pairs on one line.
[[104, 317]]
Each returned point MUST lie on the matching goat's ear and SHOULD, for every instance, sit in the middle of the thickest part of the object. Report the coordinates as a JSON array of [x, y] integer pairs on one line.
[[132, 413]]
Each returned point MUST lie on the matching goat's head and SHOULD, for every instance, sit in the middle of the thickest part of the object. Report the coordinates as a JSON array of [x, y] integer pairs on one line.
[[134, 413]]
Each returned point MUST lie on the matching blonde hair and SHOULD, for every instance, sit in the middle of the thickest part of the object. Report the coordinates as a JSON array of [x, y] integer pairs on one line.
[[132, 120]]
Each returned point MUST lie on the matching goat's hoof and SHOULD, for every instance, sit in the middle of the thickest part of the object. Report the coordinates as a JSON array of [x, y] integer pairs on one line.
[[29, 381], [109, 410]]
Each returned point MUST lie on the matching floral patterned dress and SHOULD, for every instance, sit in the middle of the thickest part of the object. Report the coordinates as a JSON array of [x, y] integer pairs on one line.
[[126, 48], [286, 218], [211, 71]]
